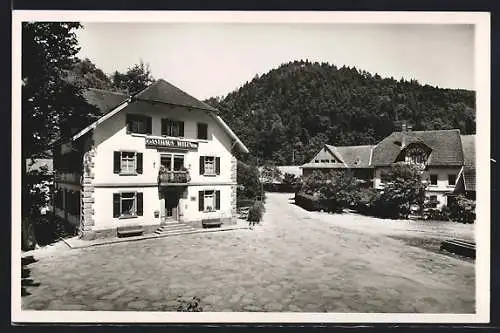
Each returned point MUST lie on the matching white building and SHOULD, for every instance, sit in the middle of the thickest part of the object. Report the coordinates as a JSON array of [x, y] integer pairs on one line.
[[158, 156]]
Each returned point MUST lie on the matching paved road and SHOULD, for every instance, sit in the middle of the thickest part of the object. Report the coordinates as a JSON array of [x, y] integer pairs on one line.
[[295, 261]]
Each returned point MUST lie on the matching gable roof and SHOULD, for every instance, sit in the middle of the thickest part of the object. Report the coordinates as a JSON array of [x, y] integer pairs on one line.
[[469, 171], [446, 147], [161, 91], [352, 157], [104, 100]]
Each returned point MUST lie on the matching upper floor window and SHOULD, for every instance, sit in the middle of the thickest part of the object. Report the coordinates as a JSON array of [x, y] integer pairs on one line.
[[202, 131], [452, 179], [172, 162], [138, 124], [171, 127], [127, 162], [209, 165], [434, 179], [415, 155]]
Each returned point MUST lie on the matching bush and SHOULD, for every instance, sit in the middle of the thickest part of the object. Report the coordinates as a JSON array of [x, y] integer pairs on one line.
[[255, 212], [365, 200], [463, 210], [28, 238], [437, 214], [49, 229]]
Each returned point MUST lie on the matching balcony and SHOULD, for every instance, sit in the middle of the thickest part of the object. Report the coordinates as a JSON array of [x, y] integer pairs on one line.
[[170, 178]]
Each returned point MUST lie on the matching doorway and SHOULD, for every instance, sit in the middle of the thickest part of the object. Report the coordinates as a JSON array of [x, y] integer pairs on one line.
[[171, 209]]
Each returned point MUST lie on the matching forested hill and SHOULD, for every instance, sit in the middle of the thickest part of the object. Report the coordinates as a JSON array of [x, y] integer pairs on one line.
[[285, 115]]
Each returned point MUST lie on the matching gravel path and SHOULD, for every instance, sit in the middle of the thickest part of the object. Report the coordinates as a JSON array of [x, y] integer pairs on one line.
[[295, 261]]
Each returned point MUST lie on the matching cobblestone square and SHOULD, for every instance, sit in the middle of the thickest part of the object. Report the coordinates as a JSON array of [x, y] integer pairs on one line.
[[296, 261]]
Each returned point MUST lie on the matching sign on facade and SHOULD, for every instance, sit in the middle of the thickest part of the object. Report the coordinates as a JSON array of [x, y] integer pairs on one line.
[[171, 143]]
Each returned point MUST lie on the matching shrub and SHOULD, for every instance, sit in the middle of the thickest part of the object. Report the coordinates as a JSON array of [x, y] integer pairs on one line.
[[193, 305], [437, 214], [255, 212], [49, 229], [365, 200], [463, 210], [403, 188], [28, 238], [249, 186]]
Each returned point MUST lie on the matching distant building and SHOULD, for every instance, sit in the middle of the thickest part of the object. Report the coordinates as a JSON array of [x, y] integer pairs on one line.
[[294, 170], [447, 160], [466, 183], [160, 156], [354, 158]]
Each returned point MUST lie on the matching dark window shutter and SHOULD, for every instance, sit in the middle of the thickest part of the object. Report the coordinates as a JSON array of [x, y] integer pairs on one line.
[[217, 165], [163, 127], [201, 201], [181, 128], [202, 165], [138, 168], [217, 200], [129, 123], [149, 125], [116, 162], [116, 204], [139, 204]]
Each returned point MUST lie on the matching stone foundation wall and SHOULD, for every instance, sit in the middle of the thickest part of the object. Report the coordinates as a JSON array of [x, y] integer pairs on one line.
[[87, 197], [234, 179]]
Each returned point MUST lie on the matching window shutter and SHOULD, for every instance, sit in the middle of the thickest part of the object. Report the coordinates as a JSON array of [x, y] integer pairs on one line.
[[139, 204], [149, 125], [217, 200], [217, 165], [116, 204], [116, 162], [201, 203], [181, 128], [138, 166], [163, 127], [202, 165], [129, 123]]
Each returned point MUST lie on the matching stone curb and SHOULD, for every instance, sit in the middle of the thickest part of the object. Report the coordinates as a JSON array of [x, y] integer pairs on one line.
[[130, 239]]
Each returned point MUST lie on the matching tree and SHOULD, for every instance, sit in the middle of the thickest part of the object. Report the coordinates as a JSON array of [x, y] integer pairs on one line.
[[85, 74], [52, 106], [249, 186], [270, 174], [134, 80], [403, 187]]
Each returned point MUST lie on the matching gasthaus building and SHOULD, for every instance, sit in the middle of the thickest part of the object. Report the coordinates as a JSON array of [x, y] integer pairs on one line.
[[158, 157]]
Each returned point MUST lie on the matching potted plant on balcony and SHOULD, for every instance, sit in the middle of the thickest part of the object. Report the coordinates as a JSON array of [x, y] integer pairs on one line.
[[186, 172]]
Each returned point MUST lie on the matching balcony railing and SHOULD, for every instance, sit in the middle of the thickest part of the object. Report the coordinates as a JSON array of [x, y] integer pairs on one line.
[[173, 177]]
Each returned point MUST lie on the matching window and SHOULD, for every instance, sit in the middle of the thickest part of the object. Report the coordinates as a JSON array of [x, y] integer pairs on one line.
[[434, 179], [127, 204], [202, 132], [127, 162], [208, 200], [172, 128], [325, 161], [433, 200], [209, 165], [138, 124], [452, 179], [172, 162], [316, 161]]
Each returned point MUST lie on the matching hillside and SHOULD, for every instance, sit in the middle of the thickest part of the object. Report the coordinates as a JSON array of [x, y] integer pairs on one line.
[[285, 115]]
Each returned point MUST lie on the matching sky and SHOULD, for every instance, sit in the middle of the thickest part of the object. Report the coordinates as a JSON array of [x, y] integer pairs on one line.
[[213, 59]]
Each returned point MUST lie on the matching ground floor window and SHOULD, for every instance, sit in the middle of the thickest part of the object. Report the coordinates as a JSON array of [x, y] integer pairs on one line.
[[127, 204], [208, 200], [433, 201]]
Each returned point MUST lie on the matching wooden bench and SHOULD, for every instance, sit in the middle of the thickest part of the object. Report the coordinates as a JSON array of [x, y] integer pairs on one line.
[[215, 222], [460, 247], [129, 231]]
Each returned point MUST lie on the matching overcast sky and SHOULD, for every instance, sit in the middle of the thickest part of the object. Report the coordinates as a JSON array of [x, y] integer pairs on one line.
[[207, 59]]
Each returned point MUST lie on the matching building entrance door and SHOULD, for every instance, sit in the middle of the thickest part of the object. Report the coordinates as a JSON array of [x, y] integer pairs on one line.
[[171, 205]]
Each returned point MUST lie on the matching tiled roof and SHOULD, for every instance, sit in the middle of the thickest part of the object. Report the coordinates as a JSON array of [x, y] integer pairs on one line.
[[322, 165], [446, 147], [469, 173], [104, 100], [355, 156], [161, 91]]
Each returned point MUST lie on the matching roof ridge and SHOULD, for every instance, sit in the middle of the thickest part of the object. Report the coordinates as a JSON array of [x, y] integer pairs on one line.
[[108, 91]]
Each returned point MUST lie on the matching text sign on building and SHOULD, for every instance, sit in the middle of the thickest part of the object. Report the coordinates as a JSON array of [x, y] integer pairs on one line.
[[171, 143]]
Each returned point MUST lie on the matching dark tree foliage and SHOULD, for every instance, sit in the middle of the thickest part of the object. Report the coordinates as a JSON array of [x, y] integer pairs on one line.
[[287, 114], [249, 186], [134, 80], [85, 74]]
